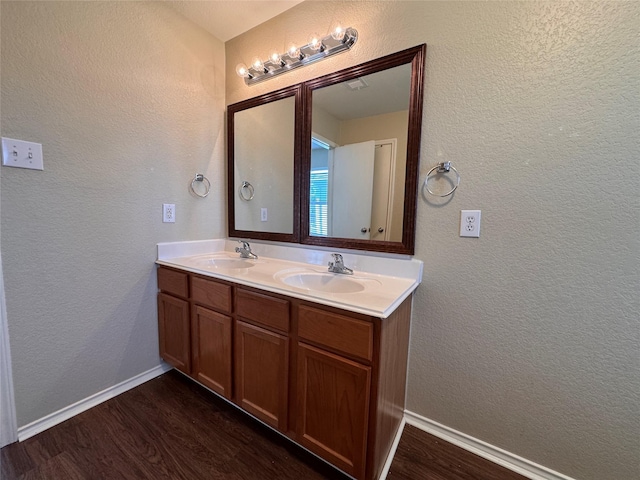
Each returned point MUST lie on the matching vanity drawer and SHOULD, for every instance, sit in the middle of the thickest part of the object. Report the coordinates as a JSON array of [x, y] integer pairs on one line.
[[209, 293], [338, 332], [176, 283], [263, 309]]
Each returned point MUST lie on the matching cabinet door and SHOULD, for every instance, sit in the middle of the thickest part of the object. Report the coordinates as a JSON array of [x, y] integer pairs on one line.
[[261, 373], [173, 331], [333, 408], [211, 343]]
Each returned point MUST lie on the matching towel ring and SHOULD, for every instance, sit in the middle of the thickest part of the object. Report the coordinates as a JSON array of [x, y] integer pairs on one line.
[[443, 167], [207, 185], [248, 187]]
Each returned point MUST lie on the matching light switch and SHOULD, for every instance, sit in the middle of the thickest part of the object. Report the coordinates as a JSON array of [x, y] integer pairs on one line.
[[21, 154]]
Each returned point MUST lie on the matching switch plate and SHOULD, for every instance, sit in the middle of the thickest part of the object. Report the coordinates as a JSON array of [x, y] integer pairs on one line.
[[21, 154], [470, 223], [263, 214], [169, 212]]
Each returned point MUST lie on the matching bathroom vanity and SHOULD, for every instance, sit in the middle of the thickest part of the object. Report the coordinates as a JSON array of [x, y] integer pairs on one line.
[[319, 357]]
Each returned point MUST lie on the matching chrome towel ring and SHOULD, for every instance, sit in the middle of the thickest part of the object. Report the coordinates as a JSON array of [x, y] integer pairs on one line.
[[443, 167], [246, 191], [205, 181]]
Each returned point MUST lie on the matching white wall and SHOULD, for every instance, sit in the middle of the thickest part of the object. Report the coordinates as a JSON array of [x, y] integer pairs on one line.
[[528, 337], [127, 99]]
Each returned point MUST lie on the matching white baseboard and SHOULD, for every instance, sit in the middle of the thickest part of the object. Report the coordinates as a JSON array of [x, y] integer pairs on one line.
[[66, 413], [392, 451], [485, 450]]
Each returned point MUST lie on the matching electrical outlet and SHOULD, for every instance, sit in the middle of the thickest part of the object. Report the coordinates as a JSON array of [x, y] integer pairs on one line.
[[470, 223], [263, 214], [169, 212]]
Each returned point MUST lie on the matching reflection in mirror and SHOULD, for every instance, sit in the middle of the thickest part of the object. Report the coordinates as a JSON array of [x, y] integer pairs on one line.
[[361, 148], [332, 161], [262, 164], [358, 156], [263, 156]]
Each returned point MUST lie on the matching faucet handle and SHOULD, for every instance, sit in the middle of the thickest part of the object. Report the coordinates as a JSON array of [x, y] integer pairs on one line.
[[338, 261], [337, 266], [245, 245]]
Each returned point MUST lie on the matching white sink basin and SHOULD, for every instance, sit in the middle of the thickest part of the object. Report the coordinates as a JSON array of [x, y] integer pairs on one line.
[[325, 282], [210, 262]]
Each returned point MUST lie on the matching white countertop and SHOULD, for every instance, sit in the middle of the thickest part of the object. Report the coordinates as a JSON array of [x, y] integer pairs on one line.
[[383, 281]]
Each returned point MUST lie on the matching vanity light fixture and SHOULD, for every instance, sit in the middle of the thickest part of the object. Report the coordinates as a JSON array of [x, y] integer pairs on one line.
[[339, 40]]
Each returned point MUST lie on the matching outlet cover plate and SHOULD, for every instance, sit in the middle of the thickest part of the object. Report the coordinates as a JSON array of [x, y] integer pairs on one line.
[[169, 212], [470, 223]]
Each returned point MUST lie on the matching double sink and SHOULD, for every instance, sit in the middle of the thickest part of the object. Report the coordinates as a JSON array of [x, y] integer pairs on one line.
[[306, 278], [376, 287]]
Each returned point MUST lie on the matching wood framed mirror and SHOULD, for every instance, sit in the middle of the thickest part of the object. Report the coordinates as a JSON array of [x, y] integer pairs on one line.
[[263, 148], [361, 147], [297, 149]]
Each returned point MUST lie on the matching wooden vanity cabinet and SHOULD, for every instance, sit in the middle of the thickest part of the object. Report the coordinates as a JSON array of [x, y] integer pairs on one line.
[[333, 407], [173, 319], [351, 377], [331, 380], [211, 349], [334, 386], [262, 356], [211, 334], [261, 373]]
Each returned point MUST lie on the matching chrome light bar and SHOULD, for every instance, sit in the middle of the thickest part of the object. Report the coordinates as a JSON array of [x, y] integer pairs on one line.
[[294, 58]]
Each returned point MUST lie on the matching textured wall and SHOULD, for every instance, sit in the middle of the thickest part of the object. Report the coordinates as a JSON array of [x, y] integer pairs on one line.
[[528, 337], [127, 99]]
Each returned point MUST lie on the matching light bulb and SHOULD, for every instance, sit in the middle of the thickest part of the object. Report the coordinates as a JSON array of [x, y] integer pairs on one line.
[[315, 42], [293, 51], [337, 32], [256, 64], [242, 70], [275, 58]]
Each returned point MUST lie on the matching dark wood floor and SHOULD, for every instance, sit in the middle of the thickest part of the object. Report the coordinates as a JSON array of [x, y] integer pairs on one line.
[[172, 428]]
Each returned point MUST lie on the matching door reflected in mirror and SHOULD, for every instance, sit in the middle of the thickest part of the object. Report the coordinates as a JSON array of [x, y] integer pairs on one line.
[[358, 156]]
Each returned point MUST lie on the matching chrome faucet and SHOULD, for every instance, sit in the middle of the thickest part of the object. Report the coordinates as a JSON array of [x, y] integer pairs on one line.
[[245, 250], [337, 266]]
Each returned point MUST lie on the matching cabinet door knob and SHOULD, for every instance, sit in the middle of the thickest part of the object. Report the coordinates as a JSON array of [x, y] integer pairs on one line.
[[364, 229], [380, 230]]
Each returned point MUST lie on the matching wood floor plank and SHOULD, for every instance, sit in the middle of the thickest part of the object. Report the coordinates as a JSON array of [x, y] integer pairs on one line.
[[60, 466], [15, 461], [424, 456], [172, 428]]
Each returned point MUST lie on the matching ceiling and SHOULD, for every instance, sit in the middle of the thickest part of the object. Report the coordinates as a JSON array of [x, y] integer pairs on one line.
[[226, 19], [386, 91]]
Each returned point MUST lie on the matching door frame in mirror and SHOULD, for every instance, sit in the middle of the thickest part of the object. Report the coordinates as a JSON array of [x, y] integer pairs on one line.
[[416, 57], [294, 91]]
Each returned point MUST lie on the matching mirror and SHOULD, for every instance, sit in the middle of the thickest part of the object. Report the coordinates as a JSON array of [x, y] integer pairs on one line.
[[355, 148], [362, 139], [262, 186], [358, 156]]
